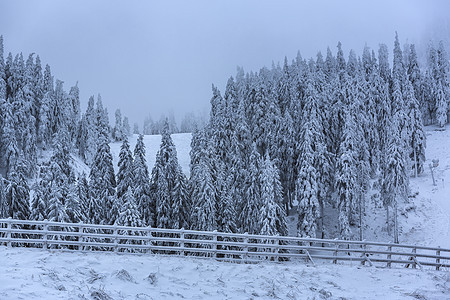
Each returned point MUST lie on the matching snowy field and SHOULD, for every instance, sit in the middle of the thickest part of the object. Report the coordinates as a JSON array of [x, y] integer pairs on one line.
[[424, 220], [37, 274]]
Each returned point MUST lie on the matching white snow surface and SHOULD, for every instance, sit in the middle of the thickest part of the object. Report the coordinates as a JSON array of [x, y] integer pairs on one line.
[[152, 143], [38, 274]]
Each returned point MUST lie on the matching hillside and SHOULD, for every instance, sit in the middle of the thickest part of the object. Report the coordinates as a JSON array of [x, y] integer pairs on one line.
[[424, 220]]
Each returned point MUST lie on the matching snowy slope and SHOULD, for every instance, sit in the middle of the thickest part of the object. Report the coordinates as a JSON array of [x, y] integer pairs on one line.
[[429, 222], [182, 143], [38, 274], [424, 219]]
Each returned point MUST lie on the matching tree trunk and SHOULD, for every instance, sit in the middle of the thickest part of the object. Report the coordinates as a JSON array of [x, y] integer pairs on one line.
[[415, 162], [387, 220], [395, 222], [322, 233], [360, 218]]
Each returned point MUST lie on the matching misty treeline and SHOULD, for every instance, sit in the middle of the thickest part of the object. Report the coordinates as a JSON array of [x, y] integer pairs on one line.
[[189, 123], [311, 135]]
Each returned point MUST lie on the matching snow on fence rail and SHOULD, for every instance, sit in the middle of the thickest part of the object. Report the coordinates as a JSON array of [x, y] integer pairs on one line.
[[218, 245]]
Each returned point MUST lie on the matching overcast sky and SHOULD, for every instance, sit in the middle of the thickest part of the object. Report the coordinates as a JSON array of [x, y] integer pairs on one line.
[[149, 57]]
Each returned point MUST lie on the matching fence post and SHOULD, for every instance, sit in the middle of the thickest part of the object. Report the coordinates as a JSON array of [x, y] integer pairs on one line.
[[149, 239], [389, 256], [335, 253], [8, 232], [182, 241], [215, 243], [363, 262], [45, 237], [277, 243], [438, 260], [414, 257], [115, 238], [81, 236], [245, 246]]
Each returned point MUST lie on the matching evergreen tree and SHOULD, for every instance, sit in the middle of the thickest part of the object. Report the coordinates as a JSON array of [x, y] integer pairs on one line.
[[394, 178], [417, 139], [141, 184], [126, 127], [125, 174], [204, 194], [102, 184], [169, 186], [346, 177], [248, 218], [62, 200], [136, 128], [17, 193], [271, 216], [118, 131], [441, 105], [129, 214], [39, 202]]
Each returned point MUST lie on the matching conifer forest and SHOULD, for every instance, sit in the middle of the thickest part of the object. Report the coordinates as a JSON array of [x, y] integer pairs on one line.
[[306, 137]]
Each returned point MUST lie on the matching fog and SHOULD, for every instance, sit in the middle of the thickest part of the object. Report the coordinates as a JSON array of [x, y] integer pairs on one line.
[[148, 57]]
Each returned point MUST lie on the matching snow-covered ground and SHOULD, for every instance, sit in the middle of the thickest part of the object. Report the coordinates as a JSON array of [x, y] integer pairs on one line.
[[38, 274], [424, 219]]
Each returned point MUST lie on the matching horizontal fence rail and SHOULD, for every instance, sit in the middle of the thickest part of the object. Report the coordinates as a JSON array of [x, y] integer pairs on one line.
[[218, 245]]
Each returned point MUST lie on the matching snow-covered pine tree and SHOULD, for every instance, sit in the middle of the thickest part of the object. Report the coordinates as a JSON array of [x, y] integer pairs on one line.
[[141, 184], [248, 218], [41, 192], [102, 183], [129, 216], [17, 193], [441, 105], [204, 193], [118, 132], [87, 134], [226, 211], [126, 127], [271, 216], [398, 69], [73, 101], [346, 176], [394, 178], [416, 133], [9, 142], [125, 174], [414, 75], [383, 62], [168, 185], [63, 203], [312, 156], [136, 128]]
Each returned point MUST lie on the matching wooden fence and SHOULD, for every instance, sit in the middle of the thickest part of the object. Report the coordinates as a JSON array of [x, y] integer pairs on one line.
[[218, 245]]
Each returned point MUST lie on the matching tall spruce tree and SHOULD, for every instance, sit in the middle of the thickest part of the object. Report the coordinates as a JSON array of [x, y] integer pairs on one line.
[[141, 184], [102, 184], [169, 187]]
